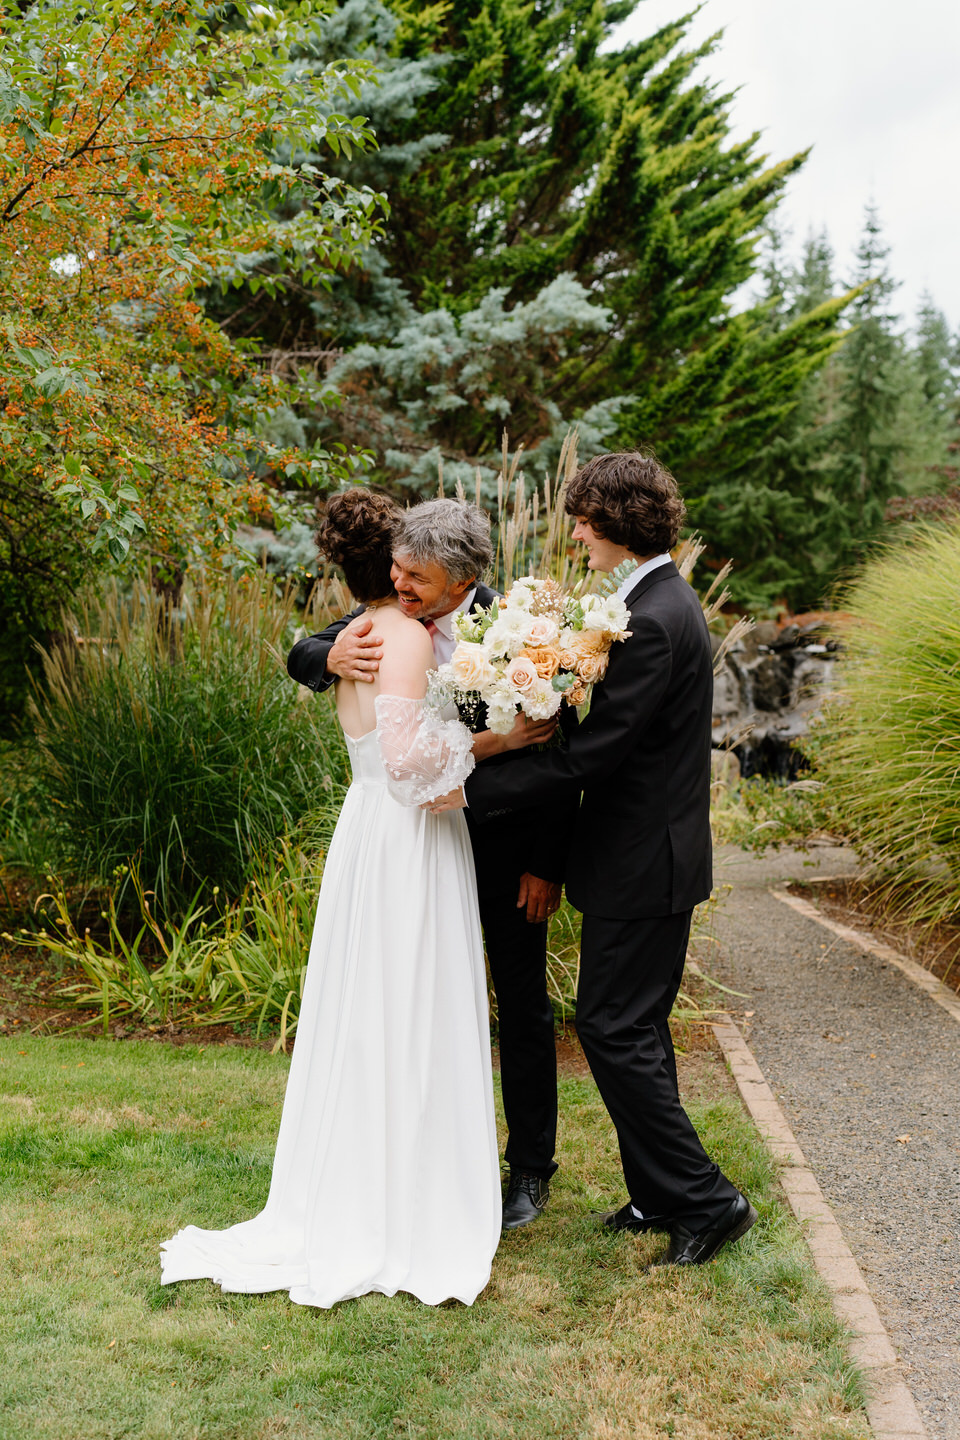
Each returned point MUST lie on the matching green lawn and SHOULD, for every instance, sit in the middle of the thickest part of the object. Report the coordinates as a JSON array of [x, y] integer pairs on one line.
[[107, 1148]]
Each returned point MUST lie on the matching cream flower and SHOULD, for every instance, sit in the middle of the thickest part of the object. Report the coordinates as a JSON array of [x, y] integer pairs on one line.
[[507, 634], [521, 673], [472, 666], [541, 701], [584, 642], [610, 616], [521, 593], [502, 704], [542, 631]]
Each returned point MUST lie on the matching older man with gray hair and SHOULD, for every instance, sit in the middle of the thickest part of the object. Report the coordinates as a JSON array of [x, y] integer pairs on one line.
[[440, 554]]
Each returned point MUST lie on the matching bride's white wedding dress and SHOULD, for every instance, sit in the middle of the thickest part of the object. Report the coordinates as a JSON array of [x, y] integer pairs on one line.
[[386, 1174]]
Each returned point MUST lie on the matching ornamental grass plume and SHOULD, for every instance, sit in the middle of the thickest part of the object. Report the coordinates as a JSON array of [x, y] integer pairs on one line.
[[889, 748], [173, 738]]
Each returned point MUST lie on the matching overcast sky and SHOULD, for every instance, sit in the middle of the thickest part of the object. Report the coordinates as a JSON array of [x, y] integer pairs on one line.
[[874, 87]]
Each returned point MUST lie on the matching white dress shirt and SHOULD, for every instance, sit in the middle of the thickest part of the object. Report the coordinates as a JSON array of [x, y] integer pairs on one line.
[[634, 578], [444, 640]]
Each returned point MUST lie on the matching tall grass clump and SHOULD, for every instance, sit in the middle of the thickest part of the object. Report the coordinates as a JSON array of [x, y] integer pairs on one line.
[[889, 749], [174, 739]]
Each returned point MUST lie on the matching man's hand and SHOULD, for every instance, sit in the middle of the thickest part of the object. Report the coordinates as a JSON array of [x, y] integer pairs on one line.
[[453, 800], [541, 897], [524, 732], [529, 732], [356, 652]]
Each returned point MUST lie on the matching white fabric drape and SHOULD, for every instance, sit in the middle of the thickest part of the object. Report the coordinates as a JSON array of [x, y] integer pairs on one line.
[[386, 1174]]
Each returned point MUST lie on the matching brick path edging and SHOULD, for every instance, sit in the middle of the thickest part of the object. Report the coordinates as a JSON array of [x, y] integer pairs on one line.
[[891, 1409]]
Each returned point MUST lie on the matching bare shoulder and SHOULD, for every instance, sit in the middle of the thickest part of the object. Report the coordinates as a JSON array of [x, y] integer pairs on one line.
[[407, 654], [399, 630]]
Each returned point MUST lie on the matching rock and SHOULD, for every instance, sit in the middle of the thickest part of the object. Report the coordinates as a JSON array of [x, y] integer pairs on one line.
[[769, 689], [726, 694], [771, 683], [766, 633], [724, 771]]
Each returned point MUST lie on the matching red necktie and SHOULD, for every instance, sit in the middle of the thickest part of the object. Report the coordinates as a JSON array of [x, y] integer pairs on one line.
[[431, 628]]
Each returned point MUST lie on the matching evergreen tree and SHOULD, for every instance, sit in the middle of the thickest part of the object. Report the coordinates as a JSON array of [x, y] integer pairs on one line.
[[872, 425], [868, 443], [777, 512], [528, 162]]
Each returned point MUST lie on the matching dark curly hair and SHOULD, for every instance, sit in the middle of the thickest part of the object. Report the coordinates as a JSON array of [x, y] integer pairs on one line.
[[630, 499], [356, 531]]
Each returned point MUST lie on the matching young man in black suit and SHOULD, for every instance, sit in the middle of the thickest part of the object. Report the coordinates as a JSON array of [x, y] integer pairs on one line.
[[641, 857], [442, 548]]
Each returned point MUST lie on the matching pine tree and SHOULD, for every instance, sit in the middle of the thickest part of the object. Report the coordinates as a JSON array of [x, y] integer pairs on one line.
[[873, 424], [778, 514], [533, 164]]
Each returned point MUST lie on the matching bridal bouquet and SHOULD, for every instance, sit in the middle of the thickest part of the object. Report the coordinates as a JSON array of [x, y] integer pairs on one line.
[[532, 650]]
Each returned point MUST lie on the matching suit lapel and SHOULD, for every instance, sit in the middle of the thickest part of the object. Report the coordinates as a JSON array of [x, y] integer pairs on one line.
[[652, 577]]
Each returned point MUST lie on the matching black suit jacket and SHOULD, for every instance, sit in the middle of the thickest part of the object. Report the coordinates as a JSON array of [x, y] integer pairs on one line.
[[534, 841], [642, 759]]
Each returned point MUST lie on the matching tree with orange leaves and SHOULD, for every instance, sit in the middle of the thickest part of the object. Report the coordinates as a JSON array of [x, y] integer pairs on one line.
[[139, 148]]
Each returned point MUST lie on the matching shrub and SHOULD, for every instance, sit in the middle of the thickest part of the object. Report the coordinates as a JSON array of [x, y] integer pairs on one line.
[[174, 739], [889, 750]]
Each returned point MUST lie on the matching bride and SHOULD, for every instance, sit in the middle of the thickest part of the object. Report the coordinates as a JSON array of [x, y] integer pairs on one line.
[[386, 1173]]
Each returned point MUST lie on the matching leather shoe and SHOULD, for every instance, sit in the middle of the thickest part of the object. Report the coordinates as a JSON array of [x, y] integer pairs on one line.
[[526, 1196], [624, 1219], [689, 1249]]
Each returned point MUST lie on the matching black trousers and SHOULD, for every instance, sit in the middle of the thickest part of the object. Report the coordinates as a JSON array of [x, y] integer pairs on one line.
[[630, 972], [517, 955]]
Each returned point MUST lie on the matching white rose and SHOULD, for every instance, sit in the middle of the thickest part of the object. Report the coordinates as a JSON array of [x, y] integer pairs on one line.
[[542, 632], [472, 666]]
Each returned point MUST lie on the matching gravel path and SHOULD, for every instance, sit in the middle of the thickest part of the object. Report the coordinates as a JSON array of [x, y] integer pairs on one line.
[[859, 1059]]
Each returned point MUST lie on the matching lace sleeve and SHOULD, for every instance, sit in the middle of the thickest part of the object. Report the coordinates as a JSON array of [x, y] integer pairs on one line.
[[424, 756]]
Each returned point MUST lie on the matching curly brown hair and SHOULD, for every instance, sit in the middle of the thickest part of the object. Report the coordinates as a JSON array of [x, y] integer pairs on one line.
[[356, 531], [630, 498]]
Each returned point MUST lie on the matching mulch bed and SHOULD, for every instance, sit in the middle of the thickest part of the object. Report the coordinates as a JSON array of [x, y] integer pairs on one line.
[[851, 902]]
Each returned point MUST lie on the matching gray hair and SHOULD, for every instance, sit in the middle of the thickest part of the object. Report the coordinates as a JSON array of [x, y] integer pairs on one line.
[[448, 533]]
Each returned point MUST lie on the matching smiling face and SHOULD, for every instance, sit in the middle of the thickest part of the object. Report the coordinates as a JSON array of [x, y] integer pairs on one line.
[[603, 554], [424, 588]]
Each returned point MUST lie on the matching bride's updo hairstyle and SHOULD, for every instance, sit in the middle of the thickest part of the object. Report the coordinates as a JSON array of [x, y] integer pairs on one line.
[[356, 531]]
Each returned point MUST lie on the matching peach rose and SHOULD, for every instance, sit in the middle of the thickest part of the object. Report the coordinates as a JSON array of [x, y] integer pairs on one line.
[[546, 658], [568, 658], [591, 642], [471, 666], [521, 673], [576, 694], [592, 668]]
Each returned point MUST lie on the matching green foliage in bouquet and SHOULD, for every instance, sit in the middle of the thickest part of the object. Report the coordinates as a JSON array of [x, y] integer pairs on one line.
[[889, 751], [175, 739]]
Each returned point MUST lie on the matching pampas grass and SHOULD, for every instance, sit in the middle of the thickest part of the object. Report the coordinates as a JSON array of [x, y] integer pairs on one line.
[[889, 748]]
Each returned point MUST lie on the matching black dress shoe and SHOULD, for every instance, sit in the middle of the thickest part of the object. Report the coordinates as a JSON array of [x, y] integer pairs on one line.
[[624, 1219], [526, 1196], [689, 1249]]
